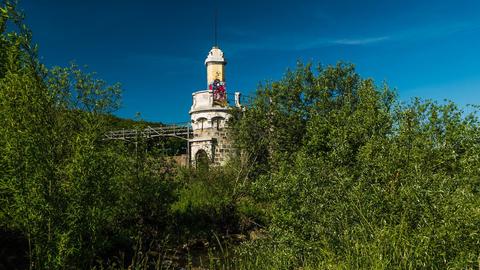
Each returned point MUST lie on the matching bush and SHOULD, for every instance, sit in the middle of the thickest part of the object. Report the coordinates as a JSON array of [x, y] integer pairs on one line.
[[368, 182]]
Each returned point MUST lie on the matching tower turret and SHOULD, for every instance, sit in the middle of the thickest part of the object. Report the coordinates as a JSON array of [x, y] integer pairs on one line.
[[215, 64], [209, 114]]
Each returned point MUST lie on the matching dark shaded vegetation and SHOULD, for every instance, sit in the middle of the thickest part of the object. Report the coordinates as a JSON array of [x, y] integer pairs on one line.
[[332, 173], [117, 123]]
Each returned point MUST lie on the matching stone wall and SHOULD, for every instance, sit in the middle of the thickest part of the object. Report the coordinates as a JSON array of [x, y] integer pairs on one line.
[[223, 148], [215, 143]]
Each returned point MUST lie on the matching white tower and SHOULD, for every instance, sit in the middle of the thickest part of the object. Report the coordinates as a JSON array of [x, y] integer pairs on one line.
[[209, 115]]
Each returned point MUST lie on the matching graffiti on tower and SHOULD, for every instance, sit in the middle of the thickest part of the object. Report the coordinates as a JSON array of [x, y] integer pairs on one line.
[[219, 92]]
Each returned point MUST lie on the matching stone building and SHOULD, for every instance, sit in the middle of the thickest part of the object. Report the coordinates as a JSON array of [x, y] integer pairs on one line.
[[209, 115]]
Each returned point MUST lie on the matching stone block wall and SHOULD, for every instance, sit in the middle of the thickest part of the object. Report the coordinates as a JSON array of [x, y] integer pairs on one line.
[[215, 143], [223, 147]]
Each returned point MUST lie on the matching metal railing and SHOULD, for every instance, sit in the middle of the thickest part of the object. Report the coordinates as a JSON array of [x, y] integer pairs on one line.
[[179, 130], [182, 131]]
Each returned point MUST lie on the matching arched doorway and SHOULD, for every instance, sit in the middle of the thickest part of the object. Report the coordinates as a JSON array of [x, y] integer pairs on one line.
[[201, 159]]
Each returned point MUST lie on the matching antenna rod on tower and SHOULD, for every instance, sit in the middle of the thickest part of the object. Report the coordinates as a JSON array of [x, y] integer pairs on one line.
[[216, 15]]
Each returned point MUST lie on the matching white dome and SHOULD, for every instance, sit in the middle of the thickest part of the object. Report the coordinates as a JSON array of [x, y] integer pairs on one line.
[[215, 55]]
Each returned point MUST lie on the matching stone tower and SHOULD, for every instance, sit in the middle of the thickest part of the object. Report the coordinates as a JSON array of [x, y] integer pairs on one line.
[[209, 114]]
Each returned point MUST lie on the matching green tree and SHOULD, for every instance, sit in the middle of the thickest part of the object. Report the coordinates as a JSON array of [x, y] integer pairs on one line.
[[354, 179], [55, 172]]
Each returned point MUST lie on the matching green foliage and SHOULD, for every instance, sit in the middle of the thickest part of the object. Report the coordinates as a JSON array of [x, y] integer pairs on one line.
[[122, 123], [206, 202], [55, 179], [333, 173], [73, 196], [60, 184], [356, 180]]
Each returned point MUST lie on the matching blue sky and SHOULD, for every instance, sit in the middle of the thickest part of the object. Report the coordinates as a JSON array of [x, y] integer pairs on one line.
[[156, 49]]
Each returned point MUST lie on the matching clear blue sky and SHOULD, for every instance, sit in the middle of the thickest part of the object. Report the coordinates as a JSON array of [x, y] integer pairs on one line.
[[156, 49]]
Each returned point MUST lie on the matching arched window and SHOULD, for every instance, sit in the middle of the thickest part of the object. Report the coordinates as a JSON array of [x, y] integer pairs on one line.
[[201, 160], [201, 123], [217, 122]]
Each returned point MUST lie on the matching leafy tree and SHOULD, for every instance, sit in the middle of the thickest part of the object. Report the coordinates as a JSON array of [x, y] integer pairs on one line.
[[55, 173], [355, 179]]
